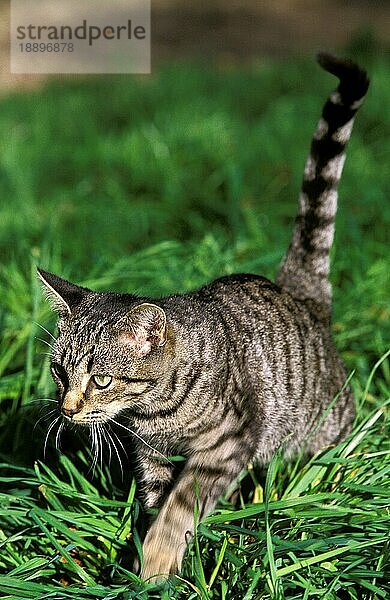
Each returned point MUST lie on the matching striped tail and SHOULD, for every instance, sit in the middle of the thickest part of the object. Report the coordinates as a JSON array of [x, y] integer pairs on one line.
[[305, 268]]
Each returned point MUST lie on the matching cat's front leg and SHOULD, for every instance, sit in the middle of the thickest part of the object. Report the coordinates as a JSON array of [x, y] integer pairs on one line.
[[203, 479], [156, 476]]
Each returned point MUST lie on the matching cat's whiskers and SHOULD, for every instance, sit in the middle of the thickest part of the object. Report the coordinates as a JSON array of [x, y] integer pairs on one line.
[[44, 342], [43, 417], [115, 435], [105, 438], [46, 400], [58, 435], [53, 424], [45, 330], [40, 400], [141, 439], [111, 440], [94, 447], [100, 444], [46, 415], [92, 437]]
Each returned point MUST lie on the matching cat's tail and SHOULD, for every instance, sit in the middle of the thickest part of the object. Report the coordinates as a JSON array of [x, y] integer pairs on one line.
[[305, 268]]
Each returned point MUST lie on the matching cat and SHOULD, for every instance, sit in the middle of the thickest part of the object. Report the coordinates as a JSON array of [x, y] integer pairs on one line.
[[223, 375]]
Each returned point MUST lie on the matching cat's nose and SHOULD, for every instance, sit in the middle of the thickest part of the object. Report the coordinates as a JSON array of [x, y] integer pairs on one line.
[[72, 404], [69, 412]]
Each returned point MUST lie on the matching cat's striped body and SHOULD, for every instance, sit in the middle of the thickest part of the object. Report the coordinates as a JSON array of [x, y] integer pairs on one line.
[[223, 375]]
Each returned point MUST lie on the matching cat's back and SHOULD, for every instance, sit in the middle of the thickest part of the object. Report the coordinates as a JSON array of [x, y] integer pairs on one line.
[[254, 301], [251, 315]]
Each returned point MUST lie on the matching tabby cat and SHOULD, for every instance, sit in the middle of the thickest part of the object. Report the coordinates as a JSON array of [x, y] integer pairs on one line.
[[223, 375]]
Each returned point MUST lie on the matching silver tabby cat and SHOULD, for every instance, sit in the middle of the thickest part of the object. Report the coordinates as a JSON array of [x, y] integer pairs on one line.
[[223, 375]]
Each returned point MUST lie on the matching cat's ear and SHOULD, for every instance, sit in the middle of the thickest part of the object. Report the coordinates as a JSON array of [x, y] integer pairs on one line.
[[143, 328], [63, 295]]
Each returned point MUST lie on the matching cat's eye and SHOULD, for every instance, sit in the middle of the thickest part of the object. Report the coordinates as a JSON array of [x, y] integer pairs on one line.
[[59, 371], [102, 381]]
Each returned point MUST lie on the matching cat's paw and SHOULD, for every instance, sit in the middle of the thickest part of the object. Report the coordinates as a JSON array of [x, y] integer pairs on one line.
[[160, 559]]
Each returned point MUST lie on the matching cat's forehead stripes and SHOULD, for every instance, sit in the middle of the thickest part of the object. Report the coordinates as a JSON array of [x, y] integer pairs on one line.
[[91, 360], [85, 338], [85, 356]]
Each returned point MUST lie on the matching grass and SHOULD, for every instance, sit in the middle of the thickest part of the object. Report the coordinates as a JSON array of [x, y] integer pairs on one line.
[[159, 184]]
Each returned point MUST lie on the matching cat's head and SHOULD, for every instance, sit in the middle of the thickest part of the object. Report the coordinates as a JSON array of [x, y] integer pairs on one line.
[[110, 351]]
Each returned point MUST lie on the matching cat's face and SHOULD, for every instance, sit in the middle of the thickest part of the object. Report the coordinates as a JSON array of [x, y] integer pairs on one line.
[[108, 356]]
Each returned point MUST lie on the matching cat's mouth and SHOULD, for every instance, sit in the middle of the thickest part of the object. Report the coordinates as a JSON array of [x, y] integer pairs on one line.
[[102, 425], [91, 417]]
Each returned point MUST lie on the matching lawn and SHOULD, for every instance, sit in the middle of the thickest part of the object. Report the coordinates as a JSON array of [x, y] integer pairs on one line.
[[158, 184]]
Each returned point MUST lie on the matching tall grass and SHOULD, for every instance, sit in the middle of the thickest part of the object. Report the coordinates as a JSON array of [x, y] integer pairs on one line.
[[157, 185]]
